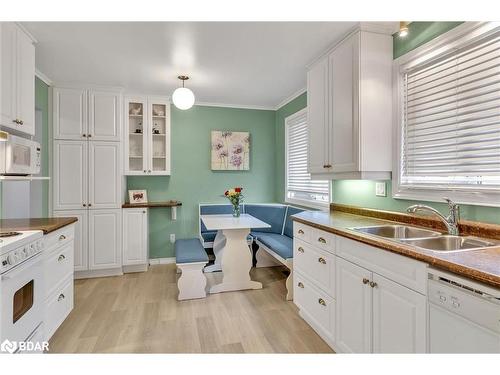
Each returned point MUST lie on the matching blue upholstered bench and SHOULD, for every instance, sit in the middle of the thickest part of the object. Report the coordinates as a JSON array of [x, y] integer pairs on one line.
[[277, 241], [190, 258]]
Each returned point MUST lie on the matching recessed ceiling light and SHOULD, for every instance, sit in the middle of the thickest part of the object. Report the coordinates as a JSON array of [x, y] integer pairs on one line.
[[183, 97]]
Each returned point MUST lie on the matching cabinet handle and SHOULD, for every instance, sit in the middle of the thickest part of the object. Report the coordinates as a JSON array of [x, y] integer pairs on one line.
[[143, 212], [21, 122], [365, 280], [62, 237], [300, 285], [61, 258], [300, 250], [322, 302], [322, 260], [301, 231], [327, 166], [372, 284], [322, 240], [61, 297], [16, 121]]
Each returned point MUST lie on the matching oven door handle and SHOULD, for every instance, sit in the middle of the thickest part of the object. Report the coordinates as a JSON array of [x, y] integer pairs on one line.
[[22, 267]]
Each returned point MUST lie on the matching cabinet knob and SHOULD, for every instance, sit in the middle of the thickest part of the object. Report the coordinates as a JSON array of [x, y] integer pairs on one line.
[[84, 205], [300, 250], [322, 302], [322, 260], [365, 281], [89, 135], [322, 240], [90, 204], [61, 258], [301, 231], [61, 297], [16, 121], [145, 171], [373, 284], [84, 135], [300, 285], [62, 237], [21, 122], [149, 171], [143, 212]]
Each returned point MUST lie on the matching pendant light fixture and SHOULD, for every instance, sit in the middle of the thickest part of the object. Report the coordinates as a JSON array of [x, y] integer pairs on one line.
[[183, 97], [403, 29]]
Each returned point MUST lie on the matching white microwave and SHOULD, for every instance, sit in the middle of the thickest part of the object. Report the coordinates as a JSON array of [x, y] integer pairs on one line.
[[19, 157]]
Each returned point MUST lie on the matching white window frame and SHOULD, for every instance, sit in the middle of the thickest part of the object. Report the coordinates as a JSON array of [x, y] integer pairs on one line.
[[443, 44], [302, 202]]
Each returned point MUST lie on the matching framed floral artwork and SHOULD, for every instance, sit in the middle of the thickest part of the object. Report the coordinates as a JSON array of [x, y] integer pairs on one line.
[[230, 151]]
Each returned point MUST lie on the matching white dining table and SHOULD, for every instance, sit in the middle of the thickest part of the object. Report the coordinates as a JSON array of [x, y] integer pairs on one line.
[[232, 254]]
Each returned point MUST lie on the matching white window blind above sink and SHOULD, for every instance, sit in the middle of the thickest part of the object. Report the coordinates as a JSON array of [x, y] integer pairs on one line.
[[451, 119]]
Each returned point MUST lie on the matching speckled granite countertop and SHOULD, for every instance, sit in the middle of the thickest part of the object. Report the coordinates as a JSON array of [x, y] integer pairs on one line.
[[481, 265], [47, 224]]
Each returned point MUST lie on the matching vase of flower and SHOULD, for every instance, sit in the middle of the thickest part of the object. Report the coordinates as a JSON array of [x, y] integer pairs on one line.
[[235, 197]]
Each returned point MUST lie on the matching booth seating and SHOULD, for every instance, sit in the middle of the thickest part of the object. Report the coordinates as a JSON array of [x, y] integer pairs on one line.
[[191, 258], [277, 240]]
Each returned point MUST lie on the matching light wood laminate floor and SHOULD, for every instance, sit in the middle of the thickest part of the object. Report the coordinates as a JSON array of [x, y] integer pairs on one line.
[[139, 313]]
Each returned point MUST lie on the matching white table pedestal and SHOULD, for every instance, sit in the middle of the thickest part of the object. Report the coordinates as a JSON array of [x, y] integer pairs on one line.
[[236, 262], [218, 247]]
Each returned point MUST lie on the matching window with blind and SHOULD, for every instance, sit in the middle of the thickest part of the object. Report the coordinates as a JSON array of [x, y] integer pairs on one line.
[[450, 133], [300, 189]]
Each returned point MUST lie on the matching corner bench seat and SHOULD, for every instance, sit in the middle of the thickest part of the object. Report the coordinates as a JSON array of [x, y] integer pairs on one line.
[[279, 243], [191, 258]]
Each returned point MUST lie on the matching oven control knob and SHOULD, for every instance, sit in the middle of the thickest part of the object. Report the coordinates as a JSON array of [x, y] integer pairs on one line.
[[11, 259]]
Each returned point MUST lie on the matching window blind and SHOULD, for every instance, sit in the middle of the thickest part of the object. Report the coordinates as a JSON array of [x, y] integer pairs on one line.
[[299, 183], [451, 119]]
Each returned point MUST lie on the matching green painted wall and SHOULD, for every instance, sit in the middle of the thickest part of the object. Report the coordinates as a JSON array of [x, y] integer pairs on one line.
[[42, 104], [192, 181], [420, 33], [288, 109]]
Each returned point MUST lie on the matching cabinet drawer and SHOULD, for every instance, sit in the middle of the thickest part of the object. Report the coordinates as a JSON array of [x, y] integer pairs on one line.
[[57, 308], [302, 231], [58, 266], [59, 237], [405, 271], [315, 303], [316, 264], [323, 240]]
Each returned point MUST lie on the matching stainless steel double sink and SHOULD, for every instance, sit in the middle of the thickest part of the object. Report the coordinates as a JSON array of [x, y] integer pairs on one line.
[[426, 239]]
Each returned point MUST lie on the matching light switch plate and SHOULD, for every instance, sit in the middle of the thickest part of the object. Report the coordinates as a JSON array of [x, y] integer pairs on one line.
[[380, 189], [172, 238]]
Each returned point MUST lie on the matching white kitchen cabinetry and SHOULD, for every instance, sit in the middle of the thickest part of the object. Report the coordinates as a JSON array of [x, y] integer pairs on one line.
[[350, 107], [104, 175], [58, 277], [80, 253], [17, 79], [135, 239], [105, 239], [147, 136], [70, 113], [358, 298]]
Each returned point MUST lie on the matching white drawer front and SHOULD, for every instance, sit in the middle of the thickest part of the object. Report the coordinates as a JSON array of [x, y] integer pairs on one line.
[[405, 271], [323, 240], [319, 306], [58, 266], [59, 237], [302, 231], [316, 264], [58, 307]]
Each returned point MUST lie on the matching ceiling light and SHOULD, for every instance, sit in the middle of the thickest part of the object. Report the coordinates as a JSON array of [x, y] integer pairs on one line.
[[183, 97], [403, 29], [4, 136]]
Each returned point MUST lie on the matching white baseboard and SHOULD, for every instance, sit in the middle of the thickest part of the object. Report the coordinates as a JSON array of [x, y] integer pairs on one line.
[[154, 261], [131, 268], [98, 273]]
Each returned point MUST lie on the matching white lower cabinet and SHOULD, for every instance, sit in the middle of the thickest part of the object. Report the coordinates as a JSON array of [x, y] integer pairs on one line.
[[80, 254], [135, 239], [370, 302]]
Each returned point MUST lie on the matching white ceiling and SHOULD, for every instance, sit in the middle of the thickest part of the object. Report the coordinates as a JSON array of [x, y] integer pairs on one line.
[[248, 64]]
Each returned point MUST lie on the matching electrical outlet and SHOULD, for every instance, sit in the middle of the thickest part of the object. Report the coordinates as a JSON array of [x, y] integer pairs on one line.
[[172, 238], [380, 189]]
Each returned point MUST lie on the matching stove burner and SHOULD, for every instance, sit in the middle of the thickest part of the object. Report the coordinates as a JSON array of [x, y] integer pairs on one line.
[[9, 234]]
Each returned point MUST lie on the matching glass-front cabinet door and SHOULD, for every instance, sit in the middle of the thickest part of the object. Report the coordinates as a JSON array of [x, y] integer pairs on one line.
[[136, 125], [159, 150], [148, 137]]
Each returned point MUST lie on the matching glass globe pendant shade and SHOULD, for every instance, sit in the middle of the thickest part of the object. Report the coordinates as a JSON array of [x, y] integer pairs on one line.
[[183, 98]]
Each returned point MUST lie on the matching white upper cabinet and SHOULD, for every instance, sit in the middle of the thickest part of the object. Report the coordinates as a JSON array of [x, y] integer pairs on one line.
[[104, 115], [147, 138], [70, 113], [350, 109], [17, 79]]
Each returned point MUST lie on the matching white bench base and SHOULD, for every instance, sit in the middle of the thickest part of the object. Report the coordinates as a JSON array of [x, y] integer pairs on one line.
[[192, 282], [288, 263]]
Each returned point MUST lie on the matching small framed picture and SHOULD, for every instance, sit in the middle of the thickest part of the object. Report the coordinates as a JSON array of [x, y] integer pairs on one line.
[[137, 196]]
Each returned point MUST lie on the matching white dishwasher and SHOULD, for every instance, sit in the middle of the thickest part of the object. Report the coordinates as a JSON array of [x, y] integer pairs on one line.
[[464, 316]]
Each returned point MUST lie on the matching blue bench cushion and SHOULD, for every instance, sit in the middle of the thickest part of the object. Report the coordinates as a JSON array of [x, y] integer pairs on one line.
[[289, 222], [270, 214], [213, 209], [190, 251], [280, 244]]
